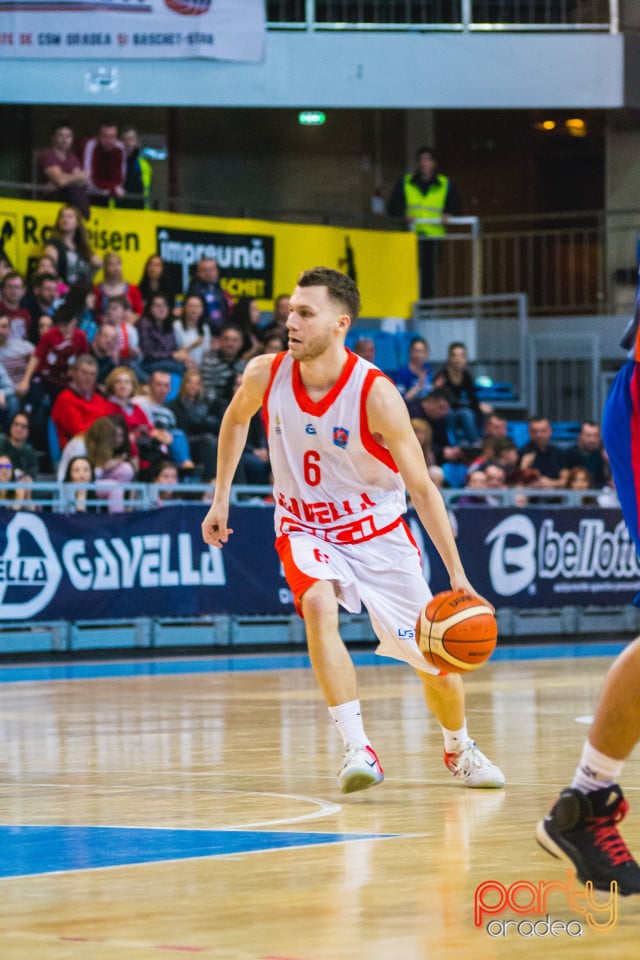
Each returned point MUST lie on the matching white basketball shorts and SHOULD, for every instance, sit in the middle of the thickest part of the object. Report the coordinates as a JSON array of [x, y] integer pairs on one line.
[[383, 573]]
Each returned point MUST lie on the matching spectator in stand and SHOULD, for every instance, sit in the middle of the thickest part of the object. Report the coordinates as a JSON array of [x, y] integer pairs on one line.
[[48, 367], [495, 425], [428, 196], [579, 478], [59, 168], [589, 453], [254, 466], [105, 163], [465, 418], [87, 319], [106, 445], [128, 349], [69, 248], [163, 418], [487, 453], [113, 285], [148, 445], [5, 264], [190, 330], [154, 279], [14, 352], [540, 455], [12, 290], [206, 285], [280, 313], [194, 418], [78, 405], [424, 432], [365, 347], [79, 471], [40, 300], [158, 344], [8, 399], [495, 478], [220, 367], [506, 454], [104, 350], [274, 342], [414, 380], [435, 410], [13, 499], [46, 264], [44, 323], [475, 481], [17, 447], [137, 182], [165, 475], [245, 315]]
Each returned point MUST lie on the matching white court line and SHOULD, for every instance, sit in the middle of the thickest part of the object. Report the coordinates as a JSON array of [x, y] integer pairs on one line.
[[326, 807], [585, 719]]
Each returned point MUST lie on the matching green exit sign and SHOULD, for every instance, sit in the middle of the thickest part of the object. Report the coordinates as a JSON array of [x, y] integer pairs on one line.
[[311, 118]]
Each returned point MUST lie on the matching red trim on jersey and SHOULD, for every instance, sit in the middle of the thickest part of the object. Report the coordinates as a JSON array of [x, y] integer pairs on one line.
[[370, 444], [298, 581], [275, 366], [304, 401]]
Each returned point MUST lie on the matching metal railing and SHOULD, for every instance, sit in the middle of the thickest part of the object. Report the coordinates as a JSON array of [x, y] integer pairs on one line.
[[54, 497], [445, 15], [566, 263]]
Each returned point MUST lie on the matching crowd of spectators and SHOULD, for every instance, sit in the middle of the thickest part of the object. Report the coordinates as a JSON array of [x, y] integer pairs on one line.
[[108, 379], [117, 378], [466, 445]]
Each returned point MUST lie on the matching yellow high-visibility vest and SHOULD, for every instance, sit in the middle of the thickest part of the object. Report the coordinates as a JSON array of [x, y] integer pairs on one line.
[[429, 204]]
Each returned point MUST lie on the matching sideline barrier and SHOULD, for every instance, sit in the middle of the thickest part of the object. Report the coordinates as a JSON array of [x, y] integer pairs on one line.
[[146, 579]]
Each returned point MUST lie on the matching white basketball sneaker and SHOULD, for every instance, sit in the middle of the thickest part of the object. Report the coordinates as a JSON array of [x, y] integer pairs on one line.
[[472, 768], [360, 769]]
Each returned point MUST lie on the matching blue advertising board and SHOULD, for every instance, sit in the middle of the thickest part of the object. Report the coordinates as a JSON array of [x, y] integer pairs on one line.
[[155, 564]]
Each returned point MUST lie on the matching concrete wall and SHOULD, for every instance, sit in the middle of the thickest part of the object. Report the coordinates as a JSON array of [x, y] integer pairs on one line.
[[328, 69]]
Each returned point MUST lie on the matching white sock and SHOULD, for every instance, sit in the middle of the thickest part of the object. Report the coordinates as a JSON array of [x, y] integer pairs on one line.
[[348, 719], [596, 770], [454, 740]]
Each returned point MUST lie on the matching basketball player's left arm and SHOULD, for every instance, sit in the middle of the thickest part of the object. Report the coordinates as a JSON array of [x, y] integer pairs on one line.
[[388, 419]]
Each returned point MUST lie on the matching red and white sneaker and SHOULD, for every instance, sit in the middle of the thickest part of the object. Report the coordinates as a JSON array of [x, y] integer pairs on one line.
[[472, 768], [360, 769]]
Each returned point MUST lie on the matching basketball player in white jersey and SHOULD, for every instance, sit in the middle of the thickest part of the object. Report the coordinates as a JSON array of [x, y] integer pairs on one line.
[[343, 452]]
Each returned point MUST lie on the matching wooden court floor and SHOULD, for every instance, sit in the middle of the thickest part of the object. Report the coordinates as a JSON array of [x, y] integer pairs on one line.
[[174, 809]]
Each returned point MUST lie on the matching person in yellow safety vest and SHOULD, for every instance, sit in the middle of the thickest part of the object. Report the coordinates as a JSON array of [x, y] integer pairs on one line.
[[137, 183], [425, 199]]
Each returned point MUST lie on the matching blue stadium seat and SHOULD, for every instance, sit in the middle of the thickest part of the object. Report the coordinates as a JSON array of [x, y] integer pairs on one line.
[[518, 430], [176, 380], [455, 474], [496, 392], [565, 432], [54, 444]]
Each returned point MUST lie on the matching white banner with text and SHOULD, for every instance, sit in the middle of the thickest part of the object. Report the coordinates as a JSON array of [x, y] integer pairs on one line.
[[118, 29]]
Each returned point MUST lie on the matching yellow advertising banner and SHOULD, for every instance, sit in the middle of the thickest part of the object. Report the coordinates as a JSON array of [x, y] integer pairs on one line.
[[258, 258]]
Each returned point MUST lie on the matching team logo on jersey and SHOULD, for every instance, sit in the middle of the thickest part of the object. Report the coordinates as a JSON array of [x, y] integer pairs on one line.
[[340, 436], [277, 425], [310, 428]]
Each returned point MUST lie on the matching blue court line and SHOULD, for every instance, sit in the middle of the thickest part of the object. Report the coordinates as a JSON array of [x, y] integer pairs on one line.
[[28, 673], [32, 850]]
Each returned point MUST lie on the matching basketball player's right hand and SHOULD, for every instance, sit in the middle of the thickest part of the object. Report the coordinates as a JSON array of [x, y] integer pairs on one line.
[[215, 531], [460, 582]]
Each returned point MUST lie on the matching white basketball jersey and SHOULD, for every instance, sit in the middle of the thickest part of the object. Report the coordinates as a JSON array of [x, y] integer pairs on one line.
[[331, 477]]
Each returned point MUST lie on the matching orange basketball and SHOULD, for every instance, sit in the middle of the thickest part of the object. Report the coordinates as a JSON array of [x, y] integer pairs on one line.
[[456, 632]]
